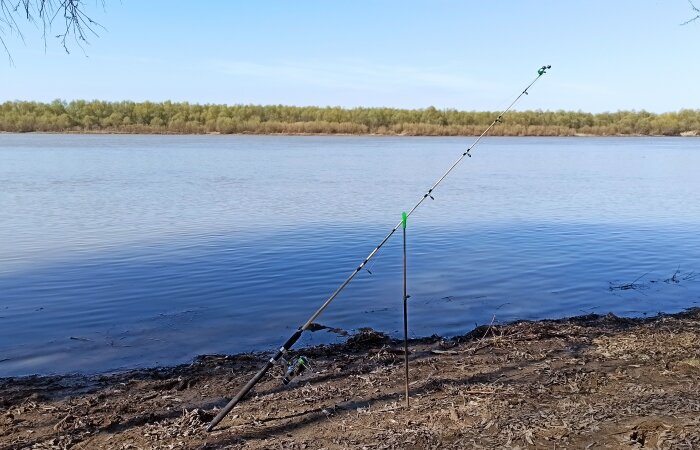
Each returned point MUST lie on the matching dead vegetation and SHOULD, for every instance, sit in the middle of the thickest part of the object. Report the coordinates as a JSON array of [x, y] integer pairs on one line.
[[586, 382], [677, 278]]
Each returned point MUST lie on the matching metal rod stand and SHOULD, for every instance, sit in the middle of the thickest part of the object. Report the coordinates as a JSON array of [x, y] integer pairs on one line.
[[405, 312]]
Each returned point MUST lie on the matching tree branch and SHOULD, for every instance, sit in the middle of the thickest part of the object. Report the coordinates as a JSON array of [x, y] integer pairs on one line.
[[697, 13], [76, 24]]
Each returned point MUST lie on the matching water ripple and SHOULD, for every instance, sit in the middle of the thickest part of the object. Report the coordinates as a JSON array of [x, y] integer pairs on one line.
[[126, 251]]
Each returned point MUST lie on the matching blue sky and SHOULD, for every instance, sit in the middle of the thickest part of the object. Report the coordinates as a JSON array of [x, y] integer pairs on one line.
[[605, 55]]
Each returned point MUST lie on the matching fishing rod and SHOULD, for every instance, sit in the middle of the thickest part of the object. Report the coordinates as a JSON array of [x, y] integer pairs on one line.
[[301, 365]]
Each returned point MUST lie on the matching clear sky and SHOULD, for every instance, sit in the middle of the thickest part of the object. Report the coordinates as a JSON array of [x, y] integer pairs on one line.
[[606, 55]]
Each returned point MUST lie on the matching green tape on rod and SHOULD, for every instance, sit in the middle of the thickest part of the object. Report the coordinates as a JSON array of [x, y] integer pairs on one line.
[[404, 217]]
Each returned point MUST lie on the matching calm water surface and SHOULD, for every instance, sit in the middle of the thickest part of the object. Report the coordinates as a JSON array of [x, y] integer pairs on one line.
[[136, 251]]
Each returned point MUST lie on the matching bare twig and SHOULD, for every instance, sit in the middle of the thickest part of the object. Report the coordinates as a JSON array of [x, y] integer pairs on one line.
[[478, 345], [76, 23], [679, 276], [632, 285], [697, 13]]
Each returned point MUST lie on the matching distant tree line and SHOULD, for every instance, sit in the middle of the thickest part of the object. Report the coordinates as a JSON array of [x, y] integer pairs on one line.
[[168, 117]]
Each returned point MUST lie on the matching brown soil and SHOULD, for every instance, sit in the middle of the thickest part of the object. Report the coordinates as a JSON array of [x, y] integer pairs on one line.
[[587, 382]]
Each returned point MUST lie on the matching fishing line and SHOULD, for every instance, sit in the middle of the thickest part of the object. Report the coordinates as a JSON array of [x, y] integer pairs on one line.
[[295, 337]]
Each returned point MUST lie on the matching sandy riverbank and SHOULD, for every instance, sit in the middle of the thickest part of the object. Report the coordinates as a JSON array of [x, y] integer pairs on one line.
[[586, 382]]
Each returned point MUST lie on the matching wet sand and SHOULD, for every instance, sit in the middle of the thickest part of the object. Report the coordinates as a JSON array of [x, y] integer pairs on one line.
[[585, 382]]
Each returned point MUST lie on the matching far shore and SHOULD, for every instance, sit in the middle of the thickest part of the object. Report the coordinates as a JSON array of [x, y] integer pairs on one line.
[[186, 118], [583, 382], [215, 133]]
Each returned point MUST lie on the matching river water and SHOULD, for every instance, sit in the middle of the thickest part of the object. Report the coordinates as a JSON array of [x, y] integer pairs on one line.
[[137, 251]]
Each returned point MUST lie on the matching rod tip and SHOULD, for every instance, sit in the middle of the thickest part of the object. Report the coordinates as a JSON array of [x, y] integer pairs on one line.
[[543, 69]]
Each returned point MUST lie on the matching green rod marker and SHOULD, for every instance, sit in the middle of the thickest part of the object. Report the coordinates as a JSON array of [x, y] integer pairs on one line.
[[404, 217]]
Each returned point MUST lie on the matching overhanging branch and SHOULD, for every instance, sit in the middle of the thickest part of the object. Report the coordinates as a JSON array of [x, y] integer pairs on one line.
[[697, 13], [70, 14]]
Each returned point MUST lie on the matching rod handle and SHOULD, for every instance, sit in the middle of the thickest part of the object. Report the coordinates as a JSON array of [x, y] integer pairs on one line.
[[253, 381], [234, 401]]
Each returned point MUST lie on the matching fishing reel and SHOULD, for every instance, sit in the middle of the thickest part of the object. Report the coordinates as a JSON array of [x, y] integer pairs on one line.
[[543, 70], [295, 368]]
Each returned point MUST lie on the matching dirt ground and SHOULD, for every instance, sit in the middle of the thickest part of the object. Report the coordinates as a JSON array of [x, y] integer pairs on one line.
[[582, 383]]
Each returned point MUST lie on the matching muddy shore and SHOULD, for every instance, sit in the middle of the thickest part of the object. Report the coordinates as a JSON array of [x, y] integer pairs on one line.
[[585, 382]]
